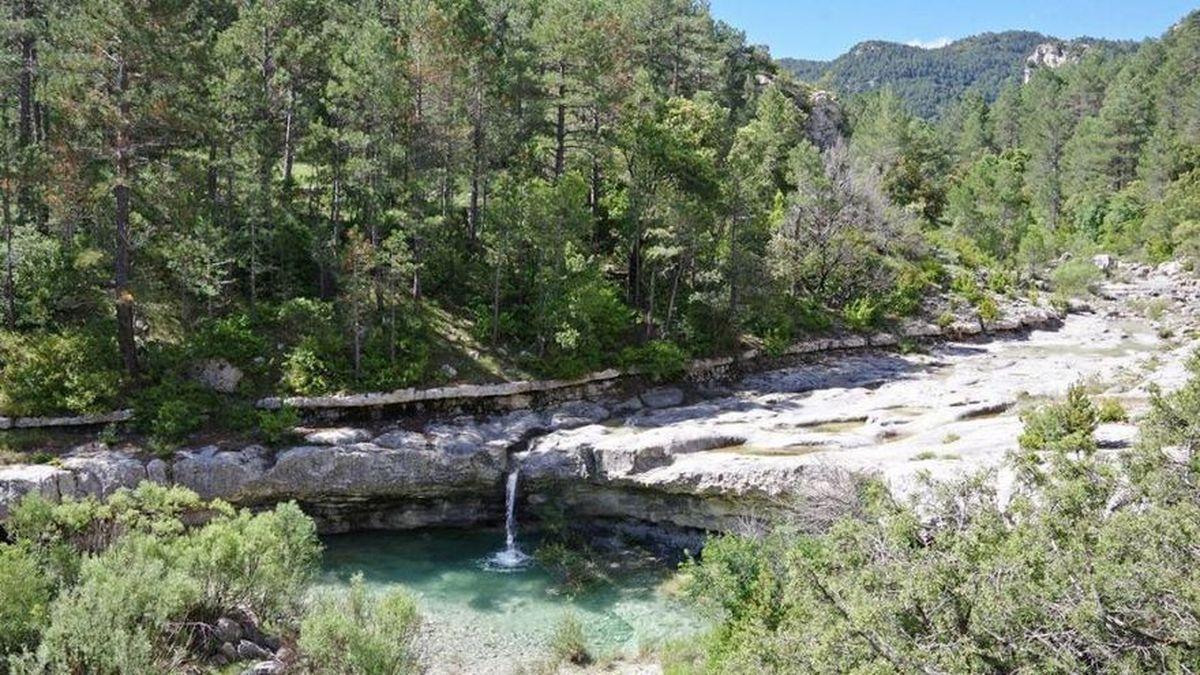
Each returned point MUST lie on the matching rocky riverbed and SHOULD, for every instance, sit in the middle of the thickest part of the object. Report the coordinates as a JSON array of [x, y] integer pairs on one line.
[[702, 457]]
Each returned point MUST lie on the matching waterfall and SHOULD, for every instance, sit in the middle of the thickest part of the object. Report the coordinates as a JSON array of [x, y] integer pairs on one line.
[[510, 504], [512, 557]]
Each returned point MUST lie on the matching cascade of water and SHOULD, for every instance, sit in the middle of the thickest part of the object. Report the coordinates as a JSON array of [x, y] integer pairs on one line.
[[510, 503], [512, 557]]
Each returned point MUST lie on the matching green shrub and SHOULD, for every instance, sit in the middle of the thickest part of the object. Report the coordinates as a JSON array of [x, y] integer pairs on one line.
[[143, 571], [1111, 410], [277, 426], [355, 634], [658, 359], [233, 338], [175, 409], [1186, 237], [1075, 278], [54, 373], [989, 311], [25, 593], [568, 643], [1096, 553], [861, 315], [310, 370], [574, 566]]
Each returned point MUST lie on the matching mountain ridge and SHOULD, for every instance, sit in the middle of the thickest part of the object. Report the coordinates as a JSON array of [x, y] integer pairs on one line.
[[929, 79]]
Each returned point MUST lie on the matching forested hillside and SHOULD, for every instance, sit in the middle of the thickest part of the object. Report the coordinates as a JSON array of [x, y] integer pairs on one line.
[[341, 196], [929, 80]]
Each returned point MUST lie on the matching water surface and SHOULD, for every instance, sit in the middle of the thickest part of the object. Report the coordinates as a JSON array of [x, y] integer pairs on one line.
[[478, 618]]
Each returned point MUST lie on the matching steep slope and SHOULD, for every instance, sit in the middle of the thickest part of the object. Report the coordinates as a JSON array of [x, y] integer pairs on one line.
[[930, 79]]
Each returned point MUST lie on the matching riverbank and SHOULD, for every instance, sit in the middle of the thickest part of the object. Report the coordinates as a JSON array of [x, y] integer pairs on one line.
[[709, 455]]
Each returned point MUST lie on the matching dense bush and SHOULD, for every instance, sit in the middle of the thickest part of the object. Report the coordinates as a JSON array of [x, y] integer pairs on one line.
[[25, 593], [139, 576], [53, 373], [1075, 278], [658, 359], [358, 634], [1090, 567]]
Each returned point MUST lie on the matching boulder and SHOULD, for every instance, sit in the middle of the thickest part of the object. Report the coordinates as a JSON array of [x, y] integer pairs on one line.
[[212, 473], [402, 440], [100, 472], [247, 651], [271, 667], [662, 397], [227, 630], [20, 480], [218, 375], [338, 436]]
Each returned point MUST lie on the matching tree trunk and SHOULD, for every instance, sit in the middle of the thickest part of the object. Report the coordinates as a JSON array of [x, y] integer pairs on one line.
[[496, 306], [125, 304], [477, 162], [289, 152], [10, 295], [560, 125], [734, 269], [594, 191], [27, 122]]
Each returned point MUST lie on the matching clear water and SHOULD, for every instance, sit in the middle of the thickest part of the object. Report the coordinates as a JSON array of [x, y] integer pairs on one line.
[[478, 617]]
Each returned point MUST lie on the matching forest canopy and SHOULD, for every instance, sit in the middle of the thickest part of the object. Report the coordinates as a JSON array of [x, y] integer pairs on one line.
[[338, 195]]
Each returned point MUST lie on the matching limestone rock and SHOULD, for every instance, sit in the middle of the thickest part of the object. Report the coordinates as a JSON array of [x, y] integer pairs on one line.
[[402, 440], [218, 375], [662, 397], [99, 472], [212, 473], [19, 480], [339, 436], [227, 630], [247, 651], [1103, 262]]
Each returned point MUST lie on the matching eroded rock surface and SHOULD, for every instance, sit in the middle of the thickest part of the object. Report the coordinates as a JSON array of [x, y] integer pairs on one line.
[[786, 440]]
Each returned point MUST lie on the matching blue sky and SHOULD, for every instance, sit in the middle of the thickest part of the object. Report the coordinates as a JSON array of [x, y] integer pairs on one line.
[[823, 29]]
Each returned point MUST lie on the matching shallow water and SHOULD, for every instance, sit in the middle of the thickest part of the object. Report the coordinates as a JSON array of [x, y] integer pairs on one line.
[[475, 615]]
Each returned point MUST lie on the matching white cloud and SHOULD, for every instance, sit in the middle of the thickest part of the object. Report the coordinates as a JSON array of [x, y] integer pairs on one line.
[[936, 43]]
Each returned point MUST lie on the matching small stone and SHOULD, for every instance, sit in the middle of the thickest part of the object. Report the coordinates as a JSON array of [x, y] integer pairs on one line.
[[229, 652], [1103, 262], [218, 374], [402, 440], [339, 436], [156, 471], [448, 371], [247, 650], [270, 667], [228, 630], [662, 397]]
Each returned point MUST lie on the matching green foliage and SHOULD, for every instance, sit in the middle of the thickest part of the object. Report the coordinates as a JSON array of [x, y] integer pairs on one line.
[[234, 338], [358, 634], [929, 80], [277, 426], [1075, 278], [1060, 580], [1111, 410], [658, 359], [25, 593], [135, 575], [861, 315], [55, 373], [568, 643], [174, 409], [573, 565]]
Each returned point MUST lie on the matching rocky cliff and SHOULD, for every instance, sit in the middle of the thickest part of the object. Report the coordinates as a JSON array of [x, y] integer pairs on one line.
[[707, 456]]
